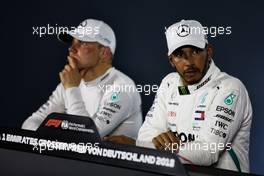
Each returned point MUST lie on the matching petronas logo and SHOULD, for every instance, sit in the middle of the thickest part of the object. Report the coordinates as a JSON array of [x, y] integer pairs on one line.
[[230, 99], [115, 96]]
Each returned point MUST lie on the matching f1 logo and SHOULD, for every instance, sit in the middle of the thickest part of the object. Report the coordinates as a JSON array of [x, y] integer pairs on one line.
[[53, 122]]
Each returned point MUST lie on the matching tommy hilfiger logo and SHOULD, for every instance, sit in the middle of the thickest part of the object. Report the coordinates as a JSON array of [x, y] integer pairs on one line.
[[199, 115]]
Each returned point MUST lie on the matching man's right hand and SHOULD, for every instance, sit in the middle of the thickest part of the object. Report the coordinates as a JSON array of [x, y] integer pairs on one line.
[[167, 141], [70, 76]]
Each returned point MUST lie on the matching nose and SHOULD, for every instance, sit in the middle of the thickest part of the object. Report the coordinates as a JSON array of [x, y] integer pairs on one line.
[[189, 59], [188, 55]]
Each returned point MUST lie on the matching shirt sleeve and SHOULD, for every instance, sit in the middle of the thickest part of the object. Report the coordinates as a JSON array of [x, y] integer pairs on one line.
[[228, 111], [114, 108], [75, 103], [155, 122], [54, 104]]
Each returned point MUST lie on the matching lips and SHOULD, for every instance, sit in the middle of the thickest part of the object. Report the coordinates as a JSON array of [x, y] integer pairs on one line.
[[190, 72]]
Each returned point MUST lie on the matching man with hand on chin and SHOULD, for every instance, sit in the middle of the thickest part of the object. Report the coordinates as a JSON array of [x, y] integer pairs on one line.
[[88, 84]]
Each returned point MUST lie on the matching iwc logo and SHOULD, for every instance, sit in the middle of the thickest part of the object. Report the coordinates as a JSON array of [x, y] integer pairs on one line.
[[183, 30], [65, 124]]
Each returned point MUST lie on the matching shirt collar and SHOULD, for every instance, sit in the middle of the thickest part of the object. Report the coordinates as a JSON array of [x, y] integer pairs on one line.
[[210, 75], [99, 79]]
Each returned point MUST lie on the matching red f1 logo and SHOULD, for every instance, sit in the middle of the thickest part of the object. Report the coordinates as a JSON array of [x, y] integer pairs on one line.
[[53, 122]]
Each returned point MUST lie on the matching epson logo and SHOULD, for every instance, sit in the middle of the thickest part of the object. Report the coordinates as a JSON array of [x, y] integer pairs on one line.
[[226, 110]]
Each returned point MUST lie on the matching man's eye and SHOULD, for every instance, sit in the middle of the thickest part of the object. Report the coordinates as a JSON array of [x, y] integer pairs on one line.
[[195, 51], [82, 42], [178, 54]]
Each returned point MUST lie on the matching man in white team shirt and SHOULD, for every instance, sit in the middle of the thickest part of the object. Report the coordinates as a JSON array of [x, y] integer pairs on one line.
[[90, 86], [206, 112], [200, 113]]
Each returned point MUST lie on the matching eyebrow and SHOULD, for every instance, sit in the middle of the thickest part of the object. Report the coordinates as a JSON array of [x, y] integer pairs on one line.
[[191, 47]]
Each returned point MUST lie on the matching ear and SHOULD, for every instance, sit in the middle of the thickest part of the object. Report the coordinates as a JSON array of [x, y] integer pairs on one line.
[[171, 62], [105, 52]]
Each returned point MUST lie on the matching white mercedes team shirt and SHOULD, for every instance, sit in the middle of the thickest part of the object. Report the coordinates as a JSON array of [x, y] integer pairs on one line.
[[210, 118], [111, 100]]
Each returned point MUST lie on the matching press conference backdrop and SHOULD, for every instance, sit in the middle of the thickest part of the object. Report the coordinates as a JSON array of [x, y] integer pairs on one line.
[[30, 63]]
